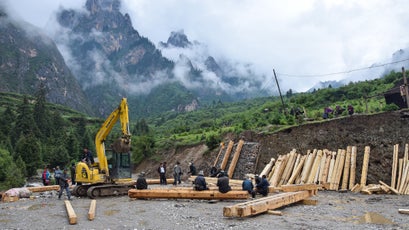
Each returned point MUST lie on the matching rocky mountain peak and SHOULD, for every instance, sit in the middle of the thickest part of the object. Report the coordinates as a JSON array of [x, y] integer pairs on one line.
[[95, 6], [177, 39]]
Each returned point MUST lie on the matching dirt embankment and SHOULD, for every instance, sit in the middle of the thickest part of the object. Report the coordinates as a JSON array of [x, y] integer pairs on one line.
[[379, 131]]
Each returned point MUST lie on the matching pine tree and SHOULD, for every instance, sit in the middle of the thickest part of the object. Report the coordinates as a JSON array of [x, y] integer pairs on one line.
[[41, 113], [28, 148], [10, 172]]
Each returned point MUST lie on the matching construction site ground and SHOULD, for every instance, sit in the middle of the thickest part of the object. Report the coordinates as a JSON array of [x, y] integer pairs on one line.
[[334, 210]]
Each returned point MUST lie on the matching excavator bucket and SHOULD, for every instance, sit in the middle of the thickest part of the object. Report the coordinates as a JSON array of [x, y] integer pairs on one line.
[[121, 145]]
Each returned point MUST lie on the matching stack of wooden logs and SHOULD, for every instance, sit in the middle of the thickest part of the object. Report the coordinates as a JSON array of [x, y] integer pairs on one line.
[[336, 171], [400, 171], [332, 170]]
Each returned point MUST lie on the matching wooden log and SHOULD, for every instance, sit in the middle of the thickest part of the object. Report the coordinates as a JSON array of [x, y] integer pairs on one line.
[[394, 165], [403, 211], [92, 208], [236, 156], [365, 165], [44, 188], [321, 167], [389, 187], [72, 217], [314, 167], [325, 172], [340, 169], [356, 188], [187, 194], [288, 167], [268, 167], [157, 181], [406, 155], [347, 164], [263, 205], [270, 175], [297, 171], [299, 187], [400, 168], [352, 170], [405, 178], [227, 155], [307, 167], [334, 175], [279, 167], [331, 167], [309, 202], [218, 155], [213, 180], [276, 213]]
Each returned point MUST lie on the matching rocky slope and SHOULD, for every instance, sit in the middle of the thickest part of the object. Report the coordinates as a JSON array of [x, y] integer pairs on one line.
[[379, 131], [30, 59]]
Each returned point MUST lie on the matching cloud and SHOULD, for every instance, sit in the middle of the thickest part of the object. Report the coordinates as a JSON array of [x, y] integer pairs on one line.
[[295, 37]]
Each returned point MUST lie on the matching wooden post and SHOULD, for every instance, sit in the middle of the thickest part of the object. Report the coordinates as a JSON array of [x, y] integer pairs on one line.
[[91, 212], [322, 166], [227, 155], [280, 165], [347, 164], [314, 168], [218, 155], [288, 167], [365, 165], [235, 159], [340, 168], [297, 171], [326, 169], [72, 217], [331, 167], [335, 170], [394, 165], [353, 167], [268, 167], [308, 165], [399, 173], [403, 211]]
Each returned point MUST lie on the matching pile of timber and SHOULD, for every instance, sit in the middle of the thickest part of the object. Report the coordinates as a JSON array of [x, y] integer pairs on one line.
[[400, 171], [268, 204], [336, 170], [332, 170]]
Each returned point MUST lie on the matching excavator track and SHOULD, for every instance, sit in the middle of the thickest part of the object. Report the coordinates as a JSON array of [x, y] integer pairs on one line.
[[108, 190], [102, 190]]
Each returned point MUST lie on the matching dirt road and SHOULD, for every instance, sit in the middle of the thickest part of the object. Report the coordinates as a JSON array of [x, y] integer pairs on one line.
[[333, 211]]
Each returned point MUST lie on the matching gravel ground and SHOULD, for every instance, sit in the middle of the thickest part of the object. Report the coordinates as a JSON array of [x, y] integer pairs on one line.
[[333, 211]]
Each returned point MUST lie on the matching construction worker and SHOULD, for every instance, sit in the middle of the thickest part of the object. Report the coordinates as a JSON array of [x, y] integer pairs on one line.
[[64, 185], [200, 182], [223, 182]]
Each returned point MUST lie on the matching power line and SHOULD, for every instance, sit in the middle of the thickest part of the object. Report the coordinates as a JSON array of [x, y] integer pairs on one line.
[[343, 72]]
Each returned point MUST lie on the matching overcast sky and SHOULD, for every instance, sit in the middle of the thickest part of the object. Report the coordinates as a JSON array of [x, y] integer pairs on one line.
[[295, 37]]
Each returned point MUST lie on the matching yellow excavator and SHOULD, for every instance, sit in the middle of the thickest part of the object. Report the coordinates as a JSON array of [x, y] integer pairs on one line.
[[110, 174]]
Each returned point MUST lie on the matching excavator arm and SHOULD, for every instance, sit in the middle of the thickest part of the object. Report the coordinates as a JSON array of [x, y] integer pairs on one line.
[[122, 144]]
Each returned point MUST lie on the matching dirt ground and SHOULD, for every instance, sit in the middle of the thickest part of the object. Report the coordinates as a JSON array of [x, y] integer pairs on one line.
[[334, 210]]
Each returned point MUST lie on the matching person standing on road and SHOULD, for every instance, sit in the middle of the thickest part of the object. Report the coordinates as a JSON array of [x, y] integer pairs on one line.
[[64, 185], [141, 181], [57, 175], [162, 177], [177, 171], [200, 182], [46, 176], [223, 182]]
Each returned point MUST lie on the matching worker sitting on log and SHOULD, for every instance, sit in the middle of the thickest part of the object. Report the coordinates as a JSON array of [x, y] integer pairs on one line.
[[248, 186], [262, 187], [200, 182], [223, 182], [141, 181]]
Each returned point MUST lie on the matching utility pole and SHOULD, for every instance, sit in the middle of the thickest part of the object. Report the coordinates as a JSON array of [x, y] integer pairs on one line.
[[405, 84], [279, 91]]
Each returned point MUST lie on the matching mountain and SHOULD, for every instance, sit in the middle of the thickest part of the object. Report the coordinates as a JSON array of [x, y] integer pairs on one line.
[[232, 79], [111, 60], [30, 59]]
